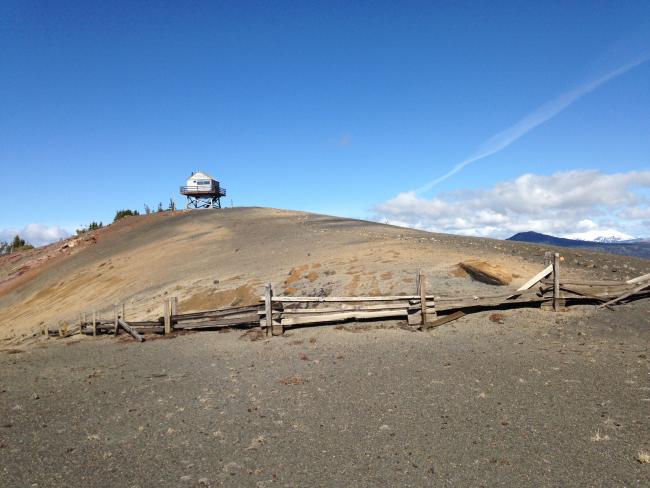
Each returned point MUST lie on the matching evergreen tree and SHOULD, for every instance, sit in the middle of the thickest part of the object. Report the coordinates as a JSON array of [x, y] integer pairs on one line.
[[17, 243], [124, 213]]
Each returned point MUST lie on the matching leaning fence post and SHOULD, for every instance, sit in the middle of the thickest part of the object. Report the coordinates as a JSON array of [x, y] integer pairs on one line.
[[268, 309], [556, 282], [422, 284], [94, 323], [166, 316]]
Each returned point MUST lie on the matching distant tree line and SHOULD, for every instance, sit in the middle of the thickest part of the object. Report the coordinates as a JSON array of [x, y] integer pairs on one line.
[[120, 214], [170, 207], [92, 226], [18, 244]]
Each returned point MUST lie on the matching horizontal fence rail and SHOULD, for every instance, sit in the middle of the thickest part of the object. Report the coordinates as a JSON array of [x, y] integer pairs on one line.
[[273, 313]]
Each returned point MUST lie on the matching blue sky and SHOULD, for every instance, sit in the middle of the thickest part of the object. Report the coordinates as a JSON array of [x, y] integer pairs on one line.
[[327, 107]]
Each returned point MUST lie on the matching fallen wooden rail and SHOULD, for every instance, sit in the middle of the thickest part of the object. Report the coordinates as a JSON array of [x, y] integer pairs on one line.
[[138, 337]]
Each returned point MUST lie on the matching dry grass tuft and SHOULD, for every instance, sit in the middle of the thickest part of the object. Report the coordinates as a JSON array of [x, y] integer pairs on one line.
[[643, 457], [364, 327], [597, 437]]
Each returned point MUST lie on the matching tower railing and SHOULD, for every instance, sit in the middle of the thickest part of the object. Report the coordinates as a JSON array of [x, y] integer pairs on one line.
[[203, 190]]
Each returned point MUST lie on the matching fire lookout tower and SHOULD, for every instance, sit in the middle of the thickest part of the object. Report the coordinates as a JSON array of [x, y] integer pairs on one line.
[[202, 191]]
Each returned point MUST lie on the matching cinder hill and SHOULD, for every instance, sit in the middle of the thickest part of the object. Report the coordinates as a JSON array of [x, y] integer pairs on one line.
[[216, 258], [522, 397]]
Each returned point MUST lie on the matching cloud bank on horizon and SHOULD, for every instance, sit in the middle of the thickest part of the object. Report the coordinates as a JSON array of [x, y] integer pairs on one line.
[[578, 203], [542, 114], [36, 234], [586, 202]]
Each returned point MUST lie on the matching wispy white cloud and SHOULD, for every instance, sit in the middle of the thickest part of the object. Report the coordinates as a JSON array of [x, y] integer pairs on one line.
[[36, 234], [560, 204], [542, 114]]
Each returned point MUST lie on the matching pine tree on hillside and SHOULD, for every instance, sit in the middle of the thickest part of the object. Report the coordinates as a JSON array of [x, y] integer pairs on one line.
[[17, 243], [120, 214]]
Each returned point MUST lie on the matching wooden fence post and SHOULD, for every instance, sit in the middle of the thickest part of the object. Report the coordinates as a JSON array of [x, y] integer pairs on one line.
[[548, 258], [556, 282], [277, 327], [422, 283], [94, 323], [63, 328], [166, 317], [268, 309], [174, 305], [115, 317]]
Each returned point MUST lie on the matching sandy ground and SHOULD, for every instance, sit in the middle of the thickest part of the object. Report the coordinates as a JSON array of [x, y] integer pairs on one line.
[[218, 258], [542, 399]]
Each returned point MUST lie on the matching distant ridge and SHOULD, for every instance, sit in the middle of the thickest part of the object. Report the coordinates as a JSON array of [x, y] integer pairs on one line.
[[639, 248]]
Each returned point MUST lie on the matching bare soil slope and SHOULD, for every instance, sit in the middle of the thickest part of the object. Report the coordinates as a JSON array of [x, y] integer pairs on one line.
[[520, 398], [223, 257]]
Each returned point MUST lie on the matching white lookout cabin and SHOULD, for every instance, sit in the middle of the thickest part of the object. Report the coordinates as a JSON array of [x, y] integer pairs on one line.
[[202, 191]]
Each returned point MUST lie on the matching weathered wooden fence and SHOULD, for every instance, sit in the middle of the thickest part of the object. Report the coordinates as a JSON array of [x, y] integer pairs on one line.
[[422, 310]]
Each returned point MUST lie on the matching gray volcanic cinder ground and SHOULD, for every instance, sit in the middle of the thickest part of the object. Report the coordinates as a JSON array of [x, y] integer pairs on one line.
[[529, 398], [543, 399]]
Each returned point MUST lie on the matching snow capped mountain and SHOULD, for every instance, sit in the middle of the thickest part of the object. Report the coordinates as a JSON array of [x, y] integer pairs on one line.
[[597, 235], [634, 247]]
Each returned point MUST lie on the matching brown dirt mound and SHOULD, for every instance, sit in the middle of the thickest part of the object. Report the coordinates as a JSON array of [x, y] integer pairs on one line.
[[486, 272]]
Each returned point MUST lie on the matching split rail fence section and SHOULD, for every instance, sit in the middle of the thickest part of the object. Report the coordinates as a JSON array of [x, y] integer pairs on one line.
[[422, 310]]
